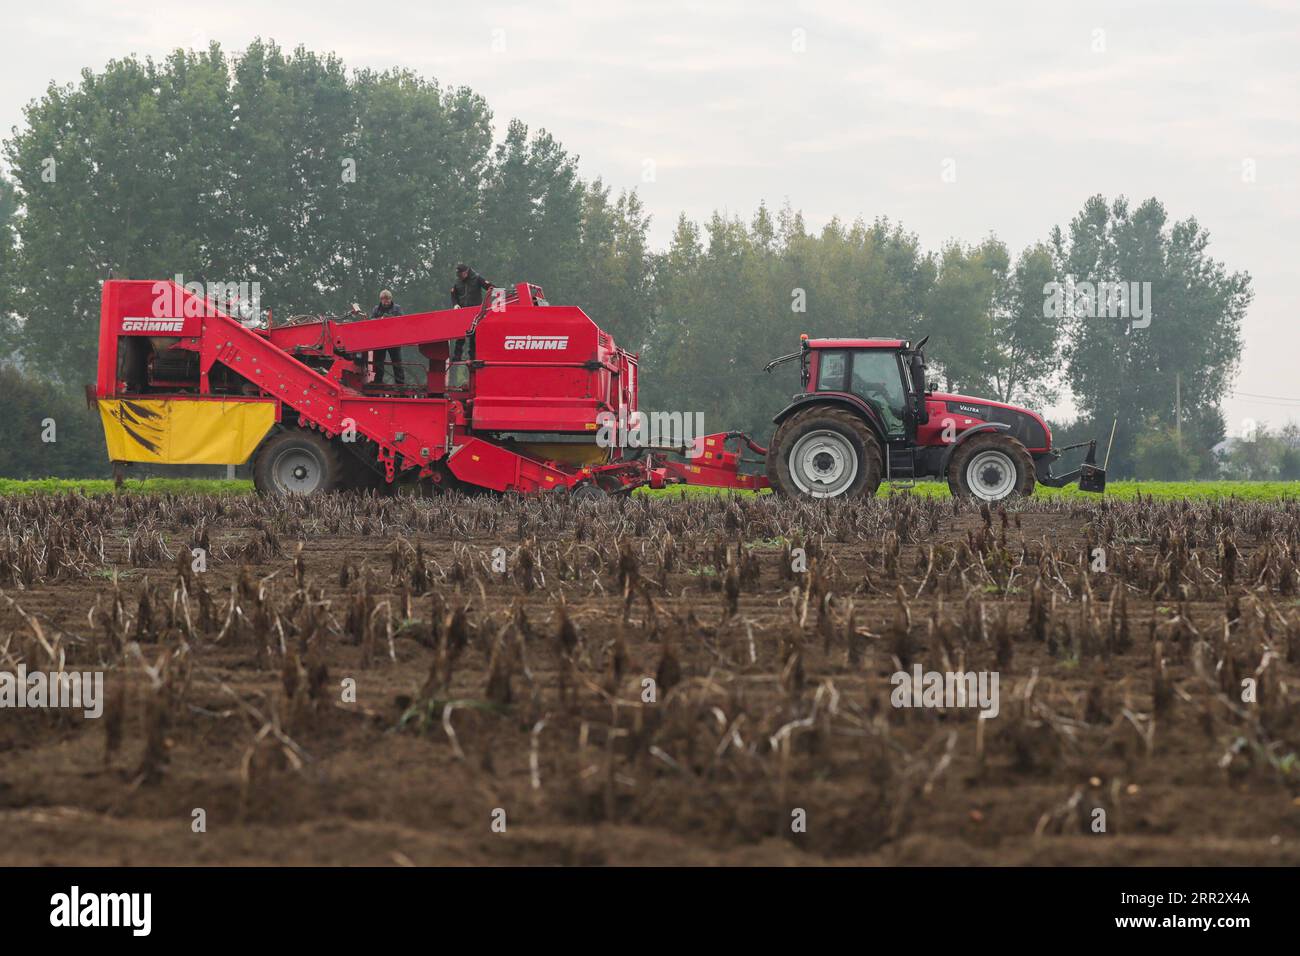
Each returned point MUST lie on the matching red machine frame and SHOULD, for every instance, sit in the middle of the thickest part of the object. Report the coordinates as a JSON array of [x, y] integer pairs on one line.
[[531, 369]]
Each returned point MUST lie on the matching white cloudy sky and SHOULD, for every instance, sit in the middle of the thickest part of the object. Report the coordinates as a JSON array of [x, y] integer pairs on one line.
[[857, 125]]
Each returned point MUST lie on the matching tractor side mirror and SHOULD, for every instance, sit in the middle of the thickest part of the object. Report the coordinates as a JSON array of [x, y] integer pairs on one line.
[[917, 370]]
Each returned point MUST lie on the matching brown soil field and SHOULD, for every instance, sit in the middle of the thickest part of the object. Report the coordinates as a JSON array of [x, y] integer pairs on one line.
[[666, 680]]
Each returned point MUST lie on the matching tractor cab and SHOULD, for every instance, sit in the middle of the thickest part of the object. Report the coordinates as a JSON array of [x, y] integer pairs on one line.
[[885, 374], [882, 378]]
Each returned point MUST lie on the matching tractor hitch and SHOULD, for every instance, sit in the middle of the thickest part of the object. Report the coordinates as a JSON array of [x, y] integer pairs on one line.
[[1088, 474], [1092, 478]]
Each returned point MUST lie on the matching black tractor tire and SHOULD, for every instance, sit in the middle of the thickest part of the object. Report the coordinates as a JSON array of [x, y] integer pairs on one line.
[[991, 467], [825, 452], [298, 462], [589, 493]]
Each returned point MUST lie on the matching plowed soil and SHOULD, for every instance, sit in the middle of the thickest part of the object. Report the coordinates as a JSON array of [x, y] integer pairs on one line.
[[650, 681]]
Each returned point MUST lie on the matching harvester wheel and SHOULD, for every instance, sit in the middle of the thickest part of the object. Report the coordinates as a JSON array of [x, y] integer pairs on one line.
[[358, 477], [589, 492], [297, 462], [824, 452], [991, 467]]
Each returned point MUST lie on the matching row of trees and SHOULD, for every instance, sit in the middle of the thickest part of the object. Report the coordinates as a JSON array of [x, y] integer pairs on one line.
[[1264, 454], [724, 306], [324, 185]]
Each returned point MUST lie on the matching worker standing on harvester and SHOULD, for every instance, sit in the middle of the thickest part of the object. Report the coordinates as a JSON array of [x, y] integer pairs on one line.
[[469, 288], [467, 293], [385, 309]]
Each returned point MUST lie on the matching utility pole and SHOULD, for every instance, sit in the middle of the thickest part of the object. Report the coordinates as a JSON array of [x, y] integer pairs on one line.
[[1178, 408]]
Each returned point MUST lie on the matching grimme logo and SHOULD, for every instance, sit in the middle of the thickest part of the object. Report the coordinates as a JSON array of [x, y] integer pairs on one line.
[[136, 324], [531, 343], [103, 909]]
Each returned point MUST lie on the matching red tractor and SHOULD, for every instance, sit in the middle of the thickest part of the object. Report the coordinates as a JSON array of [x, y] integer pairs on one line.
[[867, 414], [515, 397]]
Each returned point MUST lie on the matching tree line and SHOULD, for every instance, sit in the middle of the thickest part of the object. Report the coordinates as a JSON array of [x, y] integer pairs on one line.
[[324, 185]]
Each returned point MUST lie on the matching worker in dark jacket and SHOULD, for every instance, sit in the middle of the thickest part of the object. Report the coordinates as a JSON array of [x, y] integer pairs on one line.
[[469, 288], [467, 293], [386, 309]]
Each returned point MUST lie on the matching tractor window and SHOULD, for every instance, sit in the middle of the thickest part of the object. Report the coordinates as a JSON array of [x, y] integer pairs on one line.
[[876, 377], [830, 371]]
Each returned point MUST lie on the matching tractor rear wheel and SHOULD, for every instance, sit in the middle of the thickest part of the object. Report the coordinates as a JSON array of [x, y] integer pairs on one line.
[[824, 452], [991, 467], [297, 462]]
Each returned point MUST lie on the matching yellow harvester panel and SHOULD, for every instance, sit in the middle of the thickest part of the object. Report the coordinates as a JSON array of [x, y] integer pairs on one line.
[[184, 432], [571, 453]]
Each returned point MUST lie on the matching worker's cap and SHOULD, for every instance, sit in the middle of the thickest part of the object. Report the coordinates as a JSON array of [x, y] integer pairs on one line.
[[461, 267]]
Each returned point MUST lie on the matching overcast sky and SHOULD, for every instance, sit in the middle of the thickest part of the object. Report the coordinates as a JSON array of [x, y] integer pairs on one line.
[[848, 108]]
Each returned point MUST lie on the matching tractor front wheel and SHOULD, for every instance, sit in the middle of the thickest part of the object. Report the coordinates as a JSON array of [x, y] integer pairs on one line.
[[297, 462], [824, 452], [991, 467]]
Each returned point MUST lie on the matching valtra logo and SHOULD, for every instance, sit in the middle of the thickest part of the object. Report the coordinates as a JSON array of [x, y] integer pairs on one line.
[[538, 343]]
